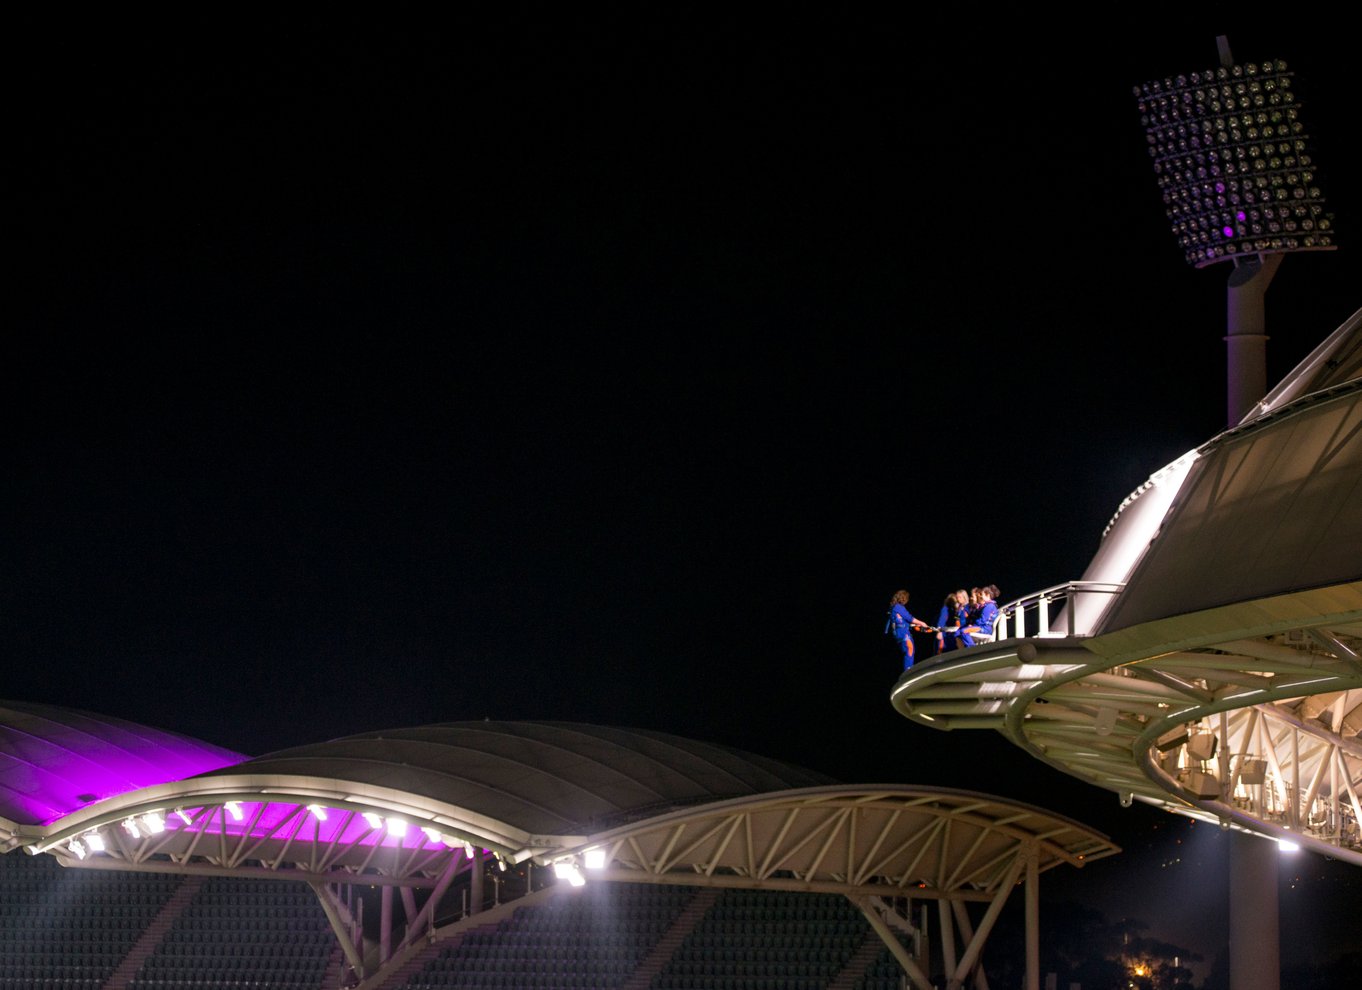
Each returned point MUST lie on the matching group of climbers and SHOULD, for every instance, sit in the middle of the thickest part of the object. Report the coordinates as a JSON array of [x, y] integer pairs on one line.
[[966, 619]]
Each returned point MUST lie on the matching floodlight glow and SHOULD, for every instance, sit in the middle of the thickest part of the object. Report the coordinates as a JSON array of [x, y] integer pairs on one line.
[[433, 834], [1287, 846], [468, 849], [501, 864], [1234, 163], [183, 816], [154, 822], [594, 858], [77, 848], [130, 826], [567, 870], [234, 809], [95, 841], [373, 820], [318, 812], [397, 827]]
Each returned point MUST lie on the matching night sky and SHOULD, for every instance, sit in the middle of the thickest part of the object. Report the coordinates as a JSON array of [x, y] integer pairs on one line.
[[366, 376]]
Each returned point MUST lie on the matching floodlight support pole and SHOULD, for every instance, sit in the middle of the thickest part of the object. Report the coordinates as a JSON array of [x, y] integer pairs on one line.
[[1255, 950], [1245, 333], [1255, 931]]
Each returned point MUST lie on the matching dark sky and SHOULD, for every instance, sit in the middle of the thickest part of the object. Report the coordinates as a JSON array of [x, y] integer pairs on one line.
[[361, 376]]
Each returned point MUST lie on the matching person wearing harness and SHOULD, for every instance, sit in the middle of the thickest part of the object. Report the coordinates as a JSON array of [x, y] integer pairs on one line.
[[980, 628], [901, 625]]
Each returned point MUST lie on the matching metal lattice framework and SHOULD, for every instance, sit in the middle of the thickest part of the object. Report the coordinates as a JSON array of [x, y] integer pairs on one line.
[[1246, 714]]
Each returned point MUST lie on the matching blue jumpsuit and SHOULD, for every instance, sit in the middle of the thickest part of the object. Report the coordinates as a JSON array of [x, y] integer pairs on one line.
[[946, 640], [988, 614], [901, 628]]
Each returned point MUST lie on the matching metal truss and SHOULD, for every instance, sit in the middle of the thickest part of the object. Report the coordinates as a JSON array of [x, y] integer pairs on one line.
[[1251, 721]]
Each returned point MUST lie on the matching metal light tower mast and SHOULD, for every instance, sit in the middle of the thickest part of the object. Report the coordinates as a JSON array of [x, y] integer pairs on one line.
[[1235, 165]]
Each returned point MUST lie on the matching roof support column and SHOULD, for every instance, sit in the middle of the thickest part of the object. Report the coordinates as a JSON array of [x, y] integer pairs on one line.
[[995, 907], [1032, 917], [385, 925], [947, 935], [341, 921], [475, 883], [425, 921], [967, 933], [900, 954]]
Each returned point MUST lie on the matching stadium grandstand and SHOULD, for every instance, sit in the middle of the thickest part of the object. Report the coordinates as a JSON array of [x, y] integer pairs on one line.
[[490, 854]]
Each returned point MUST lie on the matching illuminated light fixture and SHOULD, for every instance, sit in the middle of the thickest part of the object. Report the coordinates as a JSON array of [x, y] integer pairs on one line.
[[234, 809], [565, 870], [154, 822], [373, 819], [318, 812], [183, 816], [95, 841], [433, 834], [924, 715], [468, 849], [77, 848], [130, 826], [501, 864], [594, 859], [397, 827], [1287, 846], [450, 840], [1229, 155]]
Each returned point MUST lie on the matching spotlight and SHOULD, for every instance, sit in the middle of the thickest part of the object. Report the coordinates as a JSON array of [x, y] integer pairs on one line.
[[373, 820], [468, 849], [565, 870], [1287, 846], [501, 864], [397, 827], [130, 826], [432, 834], [154, 822], [1217, 143], [77, 848], [318, 812], [95, 841], [595, 858], [182, 816], [234, 809]]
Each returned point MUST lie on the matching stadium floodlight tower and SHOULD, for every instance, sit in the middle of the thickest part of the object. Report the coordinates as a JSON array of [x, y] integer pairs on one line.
[[1238, 177], [1209, 660]]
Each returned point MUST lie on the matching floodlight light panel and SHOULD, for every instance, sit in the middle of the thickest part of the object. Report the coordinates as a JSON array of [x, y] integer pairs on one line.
[[1235, 163]]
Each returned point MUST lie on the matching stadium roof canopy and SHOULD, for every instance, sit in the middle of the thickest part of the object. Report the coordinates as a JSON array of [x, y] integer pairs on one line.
[[1210, 661], [54, 761], [418, 807]]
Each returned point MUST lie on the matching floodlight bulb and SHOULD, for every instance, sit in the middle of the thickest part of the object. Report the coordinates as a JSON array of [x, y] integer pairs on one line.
[[373, 819], [95, 841], [432, 834], [154, 822], [501, 864], [562, 869], [594, 858], [318, 812], [468, 849], [397, 827], [1287, 846], [130, 826], [77, 848], [234, 809], [183, 816]]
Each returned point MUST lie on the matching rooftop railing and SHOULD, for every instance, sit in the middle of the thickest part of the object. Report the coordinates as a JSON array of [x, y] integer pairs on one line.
[[1070, 609]]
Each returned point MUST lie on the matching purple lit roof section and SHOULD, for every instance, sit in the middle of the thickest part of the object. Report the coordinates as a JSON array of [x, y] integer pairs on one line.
[[56, 760]]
